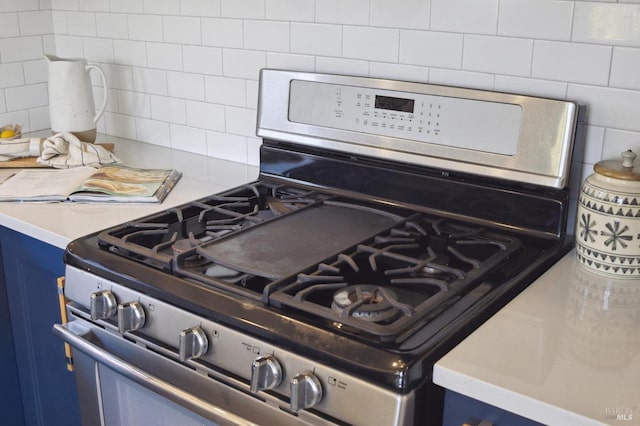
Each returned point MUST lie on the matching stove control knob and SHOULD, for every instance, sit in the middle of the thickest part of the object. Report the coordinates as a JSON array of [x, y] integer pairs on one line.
[[193, 343], [266, 373], [306, 391], [103, 305], [131, 317]]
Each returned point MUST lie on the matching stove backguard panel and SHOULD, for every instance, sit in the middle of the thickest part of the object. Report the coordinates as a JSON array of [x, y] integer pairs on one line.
[[499, 135]]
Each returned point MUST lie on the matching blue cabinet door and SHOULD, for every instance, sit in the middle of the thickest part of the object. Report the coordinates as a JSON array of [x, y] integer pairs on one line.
[[47, 389], [460, 409]]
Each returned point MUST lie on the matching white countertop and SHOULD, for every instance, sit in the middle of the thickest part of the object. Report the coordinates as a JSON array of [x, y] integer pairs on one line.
[[564, 352], [59, 223]]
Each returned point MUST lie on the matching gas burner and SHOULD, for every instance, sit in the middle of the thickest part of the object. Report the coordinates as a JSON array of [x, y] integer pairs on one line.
[[398, 279], [367, 302]]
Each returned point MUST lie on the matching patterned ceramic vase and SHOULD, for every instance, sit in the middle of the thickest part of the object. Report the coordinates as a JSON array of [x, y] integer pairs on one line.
[[608, 225]]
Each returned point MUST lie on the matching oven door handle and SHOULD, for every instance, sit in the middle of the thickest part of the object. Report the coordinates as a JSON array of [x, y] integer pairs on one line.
[[72, 333]]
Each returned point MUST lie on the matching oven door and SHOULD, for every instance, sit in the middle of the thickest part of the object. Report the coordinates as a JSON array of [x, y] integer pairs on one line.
[[123, 382]]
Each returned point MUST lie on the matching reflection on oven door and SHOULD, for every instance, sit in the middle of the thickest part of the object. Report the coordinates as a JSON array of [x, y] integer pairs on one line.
[[121, 383]]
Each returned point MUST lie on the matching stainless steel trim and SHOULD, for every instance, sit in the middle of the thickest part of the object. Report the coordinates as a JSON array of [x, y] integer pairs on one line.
[[81, 334], [544, 148]]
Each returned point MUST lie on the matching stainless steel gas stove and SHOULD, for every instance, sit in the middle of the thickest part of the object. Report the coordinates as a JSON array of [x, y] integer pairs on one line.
[[389, 220]]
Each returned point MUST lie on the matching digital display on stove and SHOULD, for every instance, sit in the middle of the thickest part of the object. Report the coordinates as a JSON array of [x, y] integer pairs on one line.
[[394, 104]]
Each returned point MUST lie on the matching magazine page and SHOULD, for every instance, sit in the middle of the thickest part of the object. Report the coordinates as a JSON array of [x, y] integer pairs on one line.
[[126, 184], [43, 184]]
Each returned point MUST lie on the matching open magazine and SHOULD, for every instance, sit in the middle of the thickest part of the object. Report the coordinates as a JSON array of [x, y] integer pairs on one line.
[[106, 184]]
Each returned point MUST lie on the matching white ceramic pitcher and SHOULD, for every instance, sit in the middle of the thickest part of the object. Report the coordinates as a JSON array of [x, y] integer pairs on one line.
[[71, 104]]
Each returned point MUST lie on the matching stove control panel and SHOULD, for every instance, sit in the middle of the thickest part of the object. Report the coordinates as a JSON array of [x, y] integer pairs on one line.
[[261, 367], [424, 118]]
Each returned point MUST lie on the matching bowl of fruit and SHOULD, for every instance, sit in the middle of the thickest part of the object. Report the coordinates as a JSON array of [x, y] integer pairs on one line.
[[10, 132]]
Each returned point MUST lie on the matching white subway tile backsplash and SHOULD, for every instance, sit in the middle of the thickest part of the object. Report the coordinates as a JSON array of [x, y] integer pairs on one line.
[[3, 103], [221, 32], [171, 110], [134, 103], [189, 139], [530, 86], [118, 77], [497, 55], [464, 16], [618, 141], [81, 23], [246, 9], [374, 44], [181, 29], [200, 7], [147, 80], [476, 80], [290, 10], [25, 97], [98, 49], [349, 12], [540, 19], [39, 118], [579, 63], [202, 60], [316, 39], [608, 107], [9, 25], [153, 132], [165, 56], [94, 5], [18, 5], [253, 151], [243, 63], [12, 75], [68, 46], [20, 49], [62, 5], [399, 72], [145, 27], [35, 71], [33, 23], [227, 146], [161, 7], [240, 121], [400, 13], [59, 20], [133, 53], [342, 66], [615, 23], [205, 115], [625, 68], [266, 35], [112, 25], [593, 142], [186, 86], [252, 89], [433, 49], [291, 61], [225, 91], [127, 6], [122, 126]]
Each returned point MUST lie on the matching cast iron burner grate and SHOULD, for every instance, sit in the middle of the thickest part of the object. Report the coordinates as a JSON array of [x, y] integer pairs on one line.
[[399, 279], [156, 239]]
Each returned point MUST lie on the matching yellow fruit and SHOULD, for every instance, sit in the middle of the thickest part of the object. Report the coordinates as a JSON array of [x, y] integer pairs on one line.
[[7, 133]]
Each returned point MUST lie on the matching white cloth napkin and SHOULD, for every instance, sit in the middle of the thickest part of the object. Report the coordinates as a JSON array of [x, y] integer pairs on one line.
[[61, 151]]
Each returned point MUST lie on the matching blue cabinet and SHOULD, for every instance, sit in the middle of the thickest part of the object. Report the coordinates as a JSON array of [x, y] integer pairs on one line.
[[41, 391], [460, 410]]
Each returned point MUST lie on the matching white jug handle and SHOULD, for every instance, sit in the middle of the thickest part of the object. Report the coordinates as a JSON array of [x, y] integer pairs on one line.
[[89, 67]]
